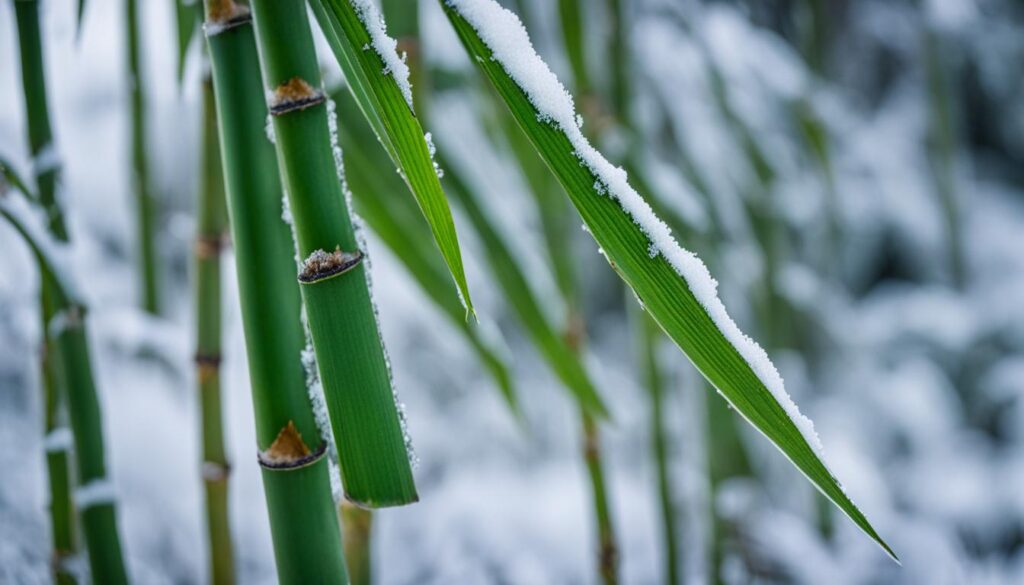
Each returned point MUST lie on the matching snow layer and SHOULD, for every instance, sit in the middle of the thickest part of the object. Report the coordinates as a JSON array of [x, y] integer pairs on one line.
[[510, 44], [385, 46], [95, 493]]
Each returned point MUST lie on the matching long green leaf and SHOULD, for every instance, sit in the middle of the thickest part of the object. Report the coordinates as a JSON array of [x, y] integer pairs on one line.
[[554, 348], [373, 69], [187, 18], [673, 285], [377, 195]]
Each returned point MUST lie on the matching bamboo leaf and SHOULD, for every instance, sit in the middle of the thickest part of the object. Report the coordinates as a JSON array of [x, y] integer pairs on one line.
[[11, 178], [379, 82], [396, 221], [672, 284], [187, 17], [555, 350], [79, 17]]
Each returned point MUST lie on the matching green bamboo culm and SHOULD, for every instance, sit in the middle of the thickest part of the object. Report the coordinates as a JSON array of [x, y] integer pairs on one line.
[[303, 521], [94, 495], [649, 338], [145, 203], [357, 526], [371, 442], [45, 170], [210, 227]]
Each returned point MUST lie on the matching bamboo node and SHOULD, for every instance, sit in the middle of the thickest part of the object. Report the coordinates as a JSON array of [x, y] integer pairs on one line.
[[224, 15], [289, 451], [321, 265], [215, 472], [293, 95], [207, 366], [209, 246]]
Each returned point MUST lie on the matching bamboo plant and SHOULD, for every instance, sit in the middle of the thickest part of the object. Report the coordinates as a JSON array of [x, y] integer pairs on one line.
[[94, 494], [291, 452], [672, 284], [45, 168], [210, 235], [369, 435], [145, 201]]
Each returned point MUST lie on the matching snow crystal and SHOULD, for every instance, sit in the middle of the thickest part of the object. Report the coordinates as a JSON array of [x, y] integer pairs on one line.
[[269, 129], [385, 46], [58, 439], [315, 390], [46, 160], [433, 150], [96, 492], [510, 45]]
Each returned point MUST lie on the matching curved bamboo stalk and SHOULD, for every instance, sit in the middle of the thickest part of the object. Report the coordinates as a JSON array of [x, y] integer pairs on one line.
[[94, 496], [303, 523], [45, 169]]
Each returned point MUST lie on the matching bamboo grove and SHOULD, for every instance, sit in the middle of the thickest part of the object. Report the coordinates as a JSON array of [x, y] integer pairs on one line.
[[295, 170]]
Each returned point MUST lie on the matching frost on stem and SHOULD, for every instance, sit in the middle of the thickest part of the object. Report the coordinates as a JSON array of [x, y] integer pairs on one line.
[[289, 451], [294, 95], [223, 15], [322, 265]]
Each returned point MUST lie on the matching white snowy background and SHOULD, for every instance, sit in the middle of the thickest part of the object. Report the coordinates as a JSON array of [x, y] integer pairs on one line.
[[918, 396]]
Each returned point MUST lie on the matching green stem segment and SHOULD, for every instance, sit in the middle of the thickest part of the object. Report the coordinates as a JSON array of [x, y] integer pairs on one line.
[[211, 225], [649, 335], [371, 444], [303, 523], [607, 551], [145, 203], [41, 146], [93, 497], [357, 525]]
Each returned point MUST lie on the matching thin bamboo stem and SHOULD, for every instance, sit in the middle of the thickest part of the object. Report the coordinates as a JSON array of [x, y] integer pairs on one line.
[[357, 529], [145, 202], [303, 522], [368, 432], [94, 495], [607, 550], [649, 337], [942, 151], [210, 236], [45, 169], [593, 457]]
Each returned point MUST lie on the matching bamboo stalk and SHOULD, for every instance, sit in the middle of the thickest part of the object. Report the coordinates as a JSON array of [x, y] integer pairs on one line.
[[607, 550], [649, 337], [145, 203], [94, 496], [942, 154], [211, 225], [45, 169], [368, 433], [303, 522], [357, 526]]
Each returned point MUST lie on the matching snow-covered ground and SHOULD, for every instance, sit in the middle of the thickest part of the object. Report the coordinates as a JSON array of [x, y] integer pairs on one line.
[[916, 388]]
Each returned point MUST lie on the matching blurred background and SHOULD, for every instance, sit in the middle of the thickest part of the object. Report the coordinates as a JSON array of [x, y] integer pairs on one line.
[[851, 171]]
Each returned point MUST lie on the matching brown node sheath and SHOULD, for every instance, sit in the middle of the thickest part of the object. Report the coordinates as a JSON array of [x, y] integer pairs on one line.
[[222, 15], [293, 95], [207, 365], [321, 265], [208, 246], [289, 451]]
